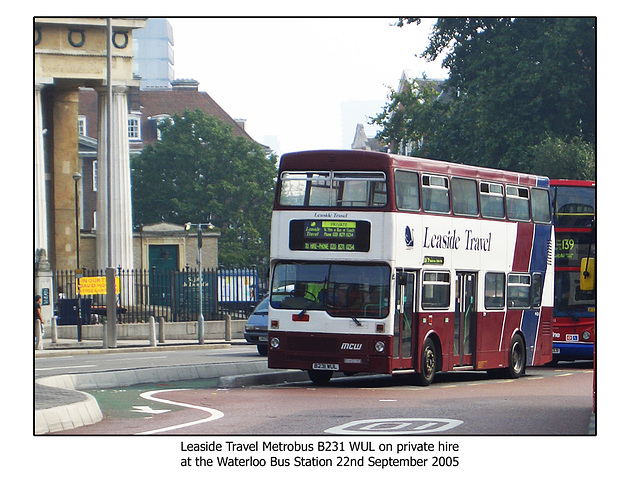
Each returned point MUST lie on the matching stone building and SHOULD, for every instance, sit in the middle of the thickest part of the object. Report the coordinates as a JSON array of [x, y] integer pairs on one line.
[[70, 54]]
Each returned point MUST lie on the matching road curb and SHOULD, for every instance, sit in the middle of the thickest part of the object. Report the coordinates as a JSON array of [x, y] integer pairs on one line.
[[87, 411]]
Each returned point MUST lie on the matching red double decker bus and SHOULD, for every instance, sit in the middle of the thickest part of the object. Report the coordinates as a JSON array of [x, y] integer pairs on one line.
[[574, 306], [386, 264]]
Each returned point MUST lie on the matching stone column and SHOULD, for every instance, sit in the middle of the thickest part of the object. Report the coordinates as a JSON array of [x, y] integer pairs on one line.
[[40, 196], [114, 218], [65, 164]]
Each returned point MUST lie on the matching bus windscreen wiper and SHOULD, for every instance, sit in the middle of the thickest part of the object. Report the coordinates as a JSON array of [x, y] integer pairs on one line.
[[351, 314]]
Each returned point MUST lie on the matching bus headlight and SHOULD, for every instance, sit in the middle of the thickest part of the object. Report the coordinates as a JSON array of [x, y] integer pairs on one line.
[[275, 342], [379, 346], [586, 335]]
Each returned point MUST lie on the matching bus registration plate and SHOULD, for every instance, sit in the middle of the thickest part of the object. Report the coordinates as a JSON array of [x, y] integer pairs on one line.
[[326, 366]]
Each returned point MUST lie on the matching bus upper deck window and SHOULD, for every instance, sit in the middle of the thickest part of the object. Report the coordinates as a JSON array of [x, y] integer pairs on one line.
[[360, 189], [518, 203], [464, 192], [407, 191], [491, 200], [435, 194], [540, 205], [305, 188]]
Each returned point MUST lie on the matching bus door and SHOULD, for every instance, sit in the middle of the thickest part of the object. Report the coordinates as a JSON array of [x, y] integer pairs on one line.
[[464, 329], [403, 324]]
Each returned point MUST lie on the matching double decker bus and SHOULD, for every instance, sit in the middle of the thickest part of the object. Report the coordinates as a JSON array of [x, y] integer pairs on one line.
[[574, 309], [386, 264]]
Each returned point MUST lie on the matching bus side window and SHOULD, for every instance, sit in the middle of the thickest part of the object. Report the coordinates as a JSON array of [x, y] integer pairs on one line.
[[494, 291], [519, 290], [464, 192], [436, 288], [492, 200], [517, 203], [435, 194], [540, 205], [407, 191], [536, 290]]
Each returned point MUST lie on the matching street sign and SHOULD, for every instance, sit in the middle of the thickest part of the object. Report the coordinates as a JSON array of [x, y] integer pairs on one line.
[[95, 285]]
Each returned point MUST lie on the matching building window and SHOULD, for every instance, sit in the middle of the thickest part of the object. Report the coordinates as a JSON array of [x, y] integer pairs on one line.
[[160, 119], [82, 125], [133, 128], [95, 176]]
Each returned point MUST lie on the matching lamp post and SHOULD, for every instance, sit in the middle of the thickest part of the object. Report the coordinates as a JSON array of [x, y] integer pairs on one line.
[[76, 179], [187, 227]]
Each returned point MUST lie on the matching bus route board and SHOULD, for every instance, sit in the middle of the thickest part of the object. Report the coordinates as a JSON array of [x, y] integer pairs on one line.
[[330, 235]]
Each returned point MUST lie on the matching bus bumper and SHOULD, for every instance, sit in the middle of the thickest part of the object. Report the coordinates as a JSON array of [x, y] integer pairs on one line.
[[335, 352], [572, 351]]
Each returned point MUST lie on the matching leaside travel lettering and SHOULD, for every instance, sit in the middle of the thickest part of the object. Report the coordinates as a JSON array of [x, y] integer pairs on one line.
[[452, 241]]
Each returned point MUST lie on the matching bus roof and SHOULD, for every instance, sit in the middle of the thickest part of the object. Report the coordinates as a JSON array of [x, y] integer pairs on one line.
[[359, 160]]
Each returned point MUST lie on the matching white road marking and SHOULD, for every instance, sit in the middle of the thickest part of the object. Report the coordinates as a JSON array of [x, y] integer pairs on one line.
[[213, 414], [395, 426], [135, 358], [147, 409], [67, 366]]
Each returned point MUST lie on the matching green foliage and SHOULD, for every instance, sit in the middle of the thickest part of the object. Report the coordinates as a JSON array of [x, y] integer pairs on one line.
[[407, 115], [513, 84], [557, 158], [201, 171]]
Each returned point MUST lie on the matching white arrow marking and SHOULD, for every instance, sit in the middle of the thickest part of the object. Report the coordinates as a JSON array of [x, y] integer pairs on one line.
[[147, 409], [213, 414]]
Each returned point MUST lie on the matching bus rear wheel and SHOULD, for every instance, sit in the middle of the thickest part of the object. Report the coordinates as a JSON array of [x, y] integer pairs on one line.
[[429, 363], [517, 358], [320, 377]]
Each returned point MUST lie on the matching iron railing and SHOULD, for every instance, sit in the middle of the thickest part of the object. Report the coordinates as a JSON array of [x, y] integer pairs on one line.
[[174, 295]]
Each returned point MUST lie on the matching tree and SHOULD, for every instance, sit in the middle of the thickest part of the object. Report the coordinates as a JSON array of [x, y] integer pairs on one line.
[[201, 171], [407, 118], [514, 82]]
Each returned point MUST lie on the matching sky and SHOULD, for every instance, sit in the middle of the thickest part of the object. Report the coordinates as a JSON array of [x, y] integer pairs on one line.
[[292, 79]]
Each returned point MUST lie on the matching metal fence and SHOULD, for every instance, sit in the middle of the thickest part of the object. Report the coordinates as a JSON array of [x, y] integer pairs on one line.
[[174, 295]]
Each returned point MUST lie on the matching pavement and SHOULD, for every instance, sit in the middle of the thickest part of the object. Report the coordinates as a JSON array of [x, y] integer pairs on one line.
[[62, 404]]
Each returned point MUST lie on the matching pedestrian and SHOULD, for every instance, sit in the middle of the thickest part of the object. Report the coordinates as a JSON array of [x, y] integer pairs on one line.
[[38, 326]]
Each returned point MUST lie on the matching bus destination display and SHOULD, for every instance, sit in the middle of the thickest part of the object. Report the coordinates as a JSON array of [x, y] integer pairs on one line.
[[329, 235]]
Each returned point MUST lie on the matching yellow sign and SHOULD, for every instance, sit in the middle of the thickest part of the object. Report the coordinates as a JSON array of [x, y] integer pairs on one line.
[[95, 285], [587, 274]]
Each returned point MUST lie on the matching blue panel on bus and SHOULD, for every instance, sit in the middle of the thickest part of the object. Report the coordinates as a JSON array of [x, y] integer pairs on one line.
[[529, 327], [572, 351]]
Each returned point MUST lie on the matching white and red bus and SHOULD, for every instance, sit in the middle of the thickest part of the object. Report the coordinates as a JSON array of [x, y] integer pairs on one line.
[[574, 309], [387, 264]]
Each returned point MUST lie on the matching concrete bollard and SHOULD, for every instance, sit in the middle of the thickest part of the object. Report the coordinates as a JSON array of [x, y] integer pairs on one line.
[[227, 327], [54, 329], [161, 330], [152, 331]]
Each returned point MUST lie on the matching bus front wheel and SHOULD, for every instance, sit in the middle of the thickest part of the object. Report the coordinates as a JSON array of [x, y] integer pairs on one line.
[[429, 363]]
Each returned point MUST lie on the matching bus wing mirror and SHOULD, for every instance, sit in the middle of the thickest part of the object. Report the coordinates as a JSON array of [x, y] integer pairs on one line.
[[587, 274]]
